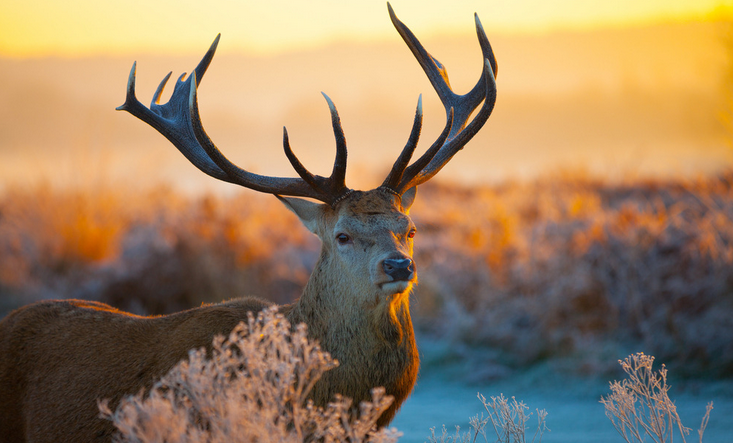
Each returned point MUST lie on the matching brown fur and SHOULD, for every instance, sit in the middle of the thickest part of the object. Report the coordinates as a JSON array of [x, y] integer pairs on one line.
[[58, 358]]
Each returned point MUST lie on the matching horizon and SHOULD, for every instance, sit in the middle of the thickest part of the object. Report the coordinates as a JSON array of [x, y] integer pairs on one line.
[[623, 103], [83, 28]]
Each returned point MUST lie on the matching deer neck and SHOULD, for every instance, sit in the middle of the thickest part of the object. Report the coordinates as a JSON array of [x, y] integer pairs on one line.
[[344, 316]]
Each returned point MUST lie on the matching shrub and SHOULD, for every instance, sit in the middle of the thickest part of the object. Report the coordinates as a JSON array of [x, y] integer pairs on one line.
[[639, 406], [253, 387]]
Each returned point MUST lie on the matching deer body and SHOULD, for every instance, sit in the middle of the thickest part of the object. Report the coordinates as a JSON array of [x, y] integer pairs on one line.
[[59, 358], [51, 376]]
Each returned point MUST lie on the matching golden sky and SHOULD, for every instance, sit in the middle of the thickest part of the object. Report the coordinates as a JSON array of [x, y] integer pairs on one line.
[[99, 27]]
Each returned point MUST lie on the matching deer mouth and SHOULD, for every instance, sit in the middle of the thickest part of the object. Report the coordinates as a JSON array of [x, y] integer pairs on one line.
[[396, 287]]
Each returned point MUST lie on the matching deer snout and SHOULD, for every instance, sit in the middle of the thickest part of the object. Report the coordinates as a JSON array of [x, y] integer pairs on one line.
[[400, 269]]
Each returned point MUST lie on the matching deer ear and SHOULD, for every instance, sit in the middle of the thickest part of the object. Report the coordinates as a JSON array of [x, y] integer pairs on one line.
[[307, 211], [408, 198]]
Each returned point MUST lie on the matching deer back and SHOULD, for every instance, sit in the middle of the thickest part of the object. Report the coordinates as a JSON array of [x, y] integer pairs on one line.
[[60, 357]]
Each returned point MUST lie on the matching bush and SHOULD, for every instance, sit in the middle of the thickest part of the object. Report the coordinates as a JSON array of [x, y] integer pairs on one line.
[[253, 387]]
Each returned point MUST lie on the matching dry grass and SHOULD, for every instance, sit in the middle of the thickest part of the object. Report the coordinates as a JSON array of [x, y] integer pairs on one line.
[[253, 387], [150, 253], [569, 266], [508, 419], [578, 267], [639, 406]]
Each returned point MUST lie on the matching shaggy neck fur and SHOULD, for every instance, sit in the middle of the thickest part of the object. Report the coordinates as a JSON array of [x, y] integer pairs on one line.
[[369, 332], [374, 343]]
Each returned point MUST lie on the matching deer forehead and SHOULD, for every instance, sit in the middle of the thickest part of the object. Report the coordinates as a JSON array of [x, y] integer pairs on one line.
[[375, 225], [372, 211], [376, 201]]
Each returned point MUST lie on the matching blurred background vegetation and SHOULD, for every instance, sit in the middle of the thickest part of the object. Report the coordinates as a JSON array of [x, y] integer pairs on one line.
[[568, 269]]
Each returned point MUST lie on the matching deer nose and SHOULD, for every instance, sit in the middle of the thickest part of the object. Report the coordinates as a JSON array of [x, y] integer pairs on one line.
[[400, 269]]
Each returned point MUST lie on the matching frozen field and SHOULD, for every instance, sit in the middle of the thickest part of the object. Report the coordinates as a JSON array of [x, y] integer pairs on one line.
[[574, 412]]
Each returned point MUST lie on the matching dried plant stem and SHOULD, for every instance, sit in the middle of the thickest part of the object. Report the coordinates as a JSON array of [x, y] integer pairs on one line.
[[640, 406], [508, 418]]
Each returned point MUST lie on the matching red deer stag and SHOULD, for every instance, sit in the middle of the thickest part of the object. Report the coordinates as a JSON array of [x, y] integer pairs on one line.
[[59, 357]]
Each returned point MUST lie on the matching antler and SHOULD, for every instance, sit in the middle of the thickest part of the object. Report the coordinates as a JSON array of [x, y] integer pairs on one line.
[[179, 121], [458, 131]]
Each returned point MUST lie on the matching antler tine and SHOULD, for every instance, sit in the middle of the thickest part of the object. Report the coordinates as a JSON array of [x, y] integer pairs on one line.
[[412, 175], [161, 118], [338, 174], [179, 121], [159, 91], [460, 106], [334, 185], [295, 162], [450, 147], [395, 175], [486, 50]]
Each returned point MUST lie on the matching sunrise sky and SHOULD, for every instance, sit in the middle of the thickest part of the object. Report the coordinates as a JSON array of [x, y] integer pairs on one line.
[[94, 27], [620, 86]]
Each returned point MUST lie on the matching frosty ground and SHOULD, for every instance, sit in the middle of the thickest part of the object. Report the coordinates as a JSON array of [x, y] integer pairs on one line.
[[442, 397]]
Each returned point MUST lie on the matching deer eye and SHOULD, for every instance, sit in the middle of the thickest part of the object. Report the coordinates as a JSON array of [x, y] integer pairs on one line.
[[343, 239], [412, 233]]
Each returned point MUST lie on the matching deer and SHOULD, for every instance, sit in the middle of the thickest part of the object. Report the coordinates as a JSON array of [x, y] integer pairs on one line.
[[60, 357]]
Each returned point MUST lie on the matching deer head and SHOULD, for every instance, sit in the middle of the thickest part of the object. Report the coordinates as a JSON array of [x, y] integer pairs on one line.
[[345, 221]]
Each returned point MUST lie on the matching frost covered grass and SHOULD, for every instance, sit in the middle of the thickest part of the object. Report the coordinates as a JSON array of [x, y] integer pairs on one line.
[[579, 267], [567, 267], [639, 406], [253, 387], [506, 418]]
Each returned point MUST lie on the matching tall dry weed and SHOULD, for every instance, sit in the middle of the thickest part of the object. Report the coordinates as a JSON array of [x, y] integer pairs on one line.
[[507, 418], [639, 406]]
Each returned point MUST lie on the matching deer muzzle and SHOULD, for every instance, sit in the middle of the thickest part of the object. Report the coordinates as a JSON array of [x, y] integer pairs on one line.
[[400, 269]]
